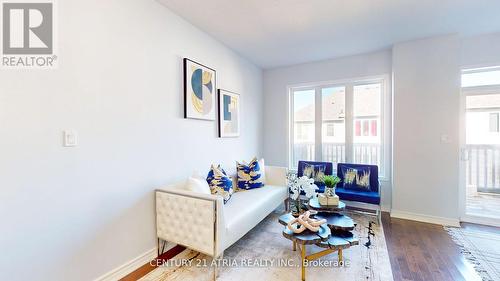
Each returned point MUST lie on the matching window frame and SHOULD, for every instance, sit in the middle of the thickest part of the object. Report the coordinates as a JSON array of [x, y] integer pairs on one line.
[[349, 84], [475, 70]]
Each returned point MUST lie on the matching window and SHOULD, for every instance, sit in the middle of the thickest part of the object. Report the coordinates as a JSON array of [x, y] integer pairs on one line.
[[373, 127], [303, 124], [332, 101], [358, 128], [481, 88], [493, 122], [330, 130], [366, 128], [481, 77], [369, 128], [344, 123]]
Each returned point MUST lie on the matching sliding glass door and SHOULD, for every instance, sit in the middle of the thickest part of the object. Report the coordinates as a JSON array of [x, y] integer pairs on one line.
[[481, 151]]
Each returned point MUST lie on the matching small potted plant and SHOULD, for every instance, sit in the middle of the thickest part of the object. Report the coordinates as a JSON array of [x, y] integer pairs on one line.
[[329, 198]]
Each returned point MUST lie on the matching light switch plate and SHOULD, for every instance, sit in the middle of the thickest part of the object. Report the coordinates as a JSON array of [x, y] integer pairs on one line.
[[70, 138], [445, 138]]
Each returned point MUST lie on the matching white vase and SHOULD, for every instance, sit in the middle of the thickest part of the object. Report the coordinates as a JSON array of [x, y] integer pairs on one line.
[[326, 200]]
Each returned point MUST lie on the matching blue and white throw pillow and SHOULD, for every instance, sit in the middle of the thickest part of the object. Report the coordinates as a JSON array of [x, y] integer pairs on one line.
[[250, 175], [356, 178], [316, 172], [220, 183]]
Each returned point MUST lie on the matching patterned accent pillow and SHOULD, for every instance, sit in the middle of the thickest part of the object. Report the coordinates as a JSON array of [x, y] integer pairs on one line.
[[316, 172], [356, 178], [249, 175], [220, 183]]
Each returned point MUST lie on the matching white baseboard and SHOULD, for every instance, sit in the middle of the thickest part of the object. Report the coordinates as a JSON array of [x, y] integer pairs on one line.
[[481, 220], [425, 218], [128, 267], [133, 264]]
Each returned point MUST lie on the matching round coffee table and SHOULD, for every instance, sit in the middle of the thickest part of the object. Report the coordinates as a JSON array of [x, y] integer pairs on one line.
[[334, 236]]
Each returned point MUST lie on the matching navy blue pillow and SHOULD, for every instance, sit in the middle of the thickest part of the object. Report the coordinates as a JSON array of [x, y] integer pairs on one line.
[[356, 178]]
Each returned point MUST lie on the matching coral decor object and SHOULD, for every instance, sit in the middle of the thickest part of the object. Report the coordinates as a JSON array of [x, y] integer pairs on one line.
[[303, 222]]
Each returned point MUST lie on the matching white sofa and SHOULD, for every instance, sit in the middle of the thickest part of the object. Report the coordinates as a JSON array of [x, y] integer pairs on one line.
[[204, 223]]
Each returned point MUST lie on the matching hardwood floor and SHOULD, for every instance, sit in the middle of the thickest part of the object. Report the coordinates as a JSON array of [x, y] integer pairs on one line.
[[147, 268], [418, 252], [422, 251]]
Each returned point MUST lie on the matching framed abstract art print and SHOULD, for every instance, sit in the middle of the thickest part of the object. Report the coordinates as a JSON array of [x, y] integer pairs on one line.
[[229, 114], [199, 91]]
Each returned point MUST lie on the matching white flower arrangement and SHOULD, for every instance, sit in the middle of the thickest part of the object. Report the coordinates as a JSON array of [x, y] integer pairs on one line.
[[305, 184]]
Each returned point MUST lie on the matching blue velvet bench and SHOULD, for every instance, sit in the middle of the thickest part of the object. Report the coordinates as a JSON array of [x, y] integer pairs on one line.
[[368, 199], [357, 198]]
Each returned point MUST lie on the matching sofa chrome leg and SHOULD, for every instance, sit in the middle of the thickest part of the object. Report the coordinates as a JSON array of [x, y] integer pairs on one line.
[[285, 202], [158, 247], [379, 216], [216, 267], [215, 272]]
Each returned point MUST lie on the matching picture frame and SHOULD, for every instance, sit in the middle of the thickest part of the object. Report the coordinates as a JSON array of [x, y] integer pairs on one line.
[[199, 91], [229, 113]]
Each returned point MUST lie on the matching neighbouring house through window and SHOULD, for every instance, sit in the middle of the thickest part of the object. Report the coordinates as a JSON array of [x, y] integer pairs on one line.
[[338, 123], [494, 122], [330, 130]]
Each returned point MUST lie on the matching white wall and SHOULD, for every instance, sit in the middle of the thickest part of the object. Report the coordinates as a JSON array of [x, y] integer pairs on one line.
[[480, 50], [426, 106], [76, 213], [277, 80]]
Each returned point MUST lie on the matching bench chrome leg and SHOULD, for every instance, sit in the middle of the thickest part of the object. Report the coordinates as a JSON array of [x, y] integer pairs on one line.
[[379, 215]]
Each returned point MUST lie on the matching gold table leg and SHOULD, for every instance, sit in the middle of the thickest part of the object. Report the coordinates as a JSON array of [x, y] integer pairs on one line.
[[314, 256], [303, 257]]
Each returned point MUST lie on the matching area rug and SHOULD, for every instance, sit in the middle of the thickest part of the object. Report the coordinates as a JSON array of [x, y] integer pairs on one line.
[[481, 248], [264, 254]]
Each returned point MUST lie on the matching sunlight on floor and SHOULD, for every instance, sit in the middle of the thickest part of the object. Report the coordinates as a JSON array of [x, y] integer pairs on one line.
[[483, 205]]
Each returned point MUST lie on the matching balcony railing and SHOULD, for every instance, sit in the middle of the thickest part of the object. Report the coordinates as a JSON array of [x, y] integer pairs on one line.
[[367, 153], [483, 168], [364, 153]]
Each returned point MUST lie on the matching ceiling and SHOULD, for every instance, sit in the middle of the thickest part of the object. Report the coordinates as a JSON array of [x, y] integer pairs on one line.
[[274, 33]]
